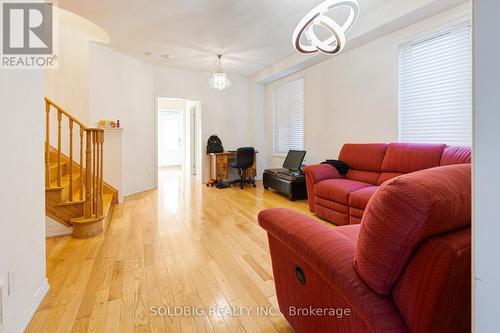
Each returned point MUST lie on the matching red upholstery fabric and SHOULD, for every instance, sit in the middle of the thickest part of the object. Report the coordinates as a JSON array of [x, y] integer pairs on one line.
[[353, 219], [332, 205], [326, 257], [403, 213], [360, 198], [369, 177], [385, 176], [356, 214], [456, 155], [406, 157], [338, 190], [442, 284], [315, 174], [366, 157], [335, 216]]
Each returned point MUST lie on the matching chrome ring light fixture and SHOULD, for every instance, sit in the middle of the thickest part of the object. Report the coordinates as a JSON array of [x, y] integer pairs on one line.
[[317, 17]]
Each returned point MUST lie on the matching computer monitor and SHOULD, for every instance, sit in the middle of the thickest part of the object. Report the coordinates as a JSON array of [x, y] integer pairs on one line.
[[294, 160]]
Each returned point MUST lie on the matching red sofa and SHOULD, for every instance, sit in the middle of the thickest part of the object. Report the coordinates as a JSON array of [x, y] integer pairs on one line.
[[405, 268], [343, 199]]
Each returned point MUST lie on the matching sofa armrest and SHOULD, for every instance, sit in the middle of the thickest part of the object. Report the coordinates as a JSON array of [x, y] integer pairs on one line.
[[315, 174], [329, 253], [328, 250]]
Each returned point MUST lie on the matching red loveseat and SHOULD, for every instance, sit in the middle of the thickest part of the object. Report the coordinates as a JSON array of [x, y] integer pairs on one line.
[[405, 268], [342, 199]]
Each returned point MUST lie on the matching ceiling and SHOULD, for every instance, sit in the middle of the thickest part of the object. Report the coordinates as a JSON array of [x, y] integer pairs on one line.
[[251, 34]]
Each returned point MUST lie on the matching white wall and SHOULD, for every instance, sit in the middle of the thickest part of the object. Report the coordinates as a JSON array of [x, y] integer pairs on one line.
[[486, 220], [68, 84], [22, 225], [224, 113], [353, 97], [122, 87]]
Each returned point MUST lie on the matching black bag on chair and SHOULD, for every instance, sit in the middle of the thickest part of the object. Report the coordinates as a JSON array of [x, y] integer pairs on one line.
[[214, 145]]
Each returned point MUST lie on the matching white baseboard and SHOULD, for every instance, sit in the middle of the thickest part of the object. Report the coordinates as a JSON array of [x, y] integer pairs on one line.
[[35, 303], [54, 228]]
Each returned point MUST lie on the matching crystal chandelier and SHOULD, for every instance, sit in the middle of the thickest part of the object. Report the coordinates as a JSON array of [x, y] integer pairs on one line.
[[219, 79]]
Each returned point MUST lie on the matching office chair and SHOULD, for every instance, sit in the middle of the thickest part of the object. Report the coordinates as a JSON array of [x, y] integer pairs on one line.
[[245, 158]]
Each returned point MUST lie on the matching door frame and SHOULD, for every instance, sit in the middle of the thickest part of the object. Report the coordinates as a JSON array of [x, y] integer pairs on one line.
[[196, 168]]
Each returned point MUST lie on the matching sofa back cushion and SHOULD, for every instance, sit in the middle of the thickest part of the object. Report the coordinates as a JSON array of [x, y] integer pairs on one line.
[[385, 176], [369, 177], [364, 157], [456, 155], [403, 213], [434, 292], [411, 157]]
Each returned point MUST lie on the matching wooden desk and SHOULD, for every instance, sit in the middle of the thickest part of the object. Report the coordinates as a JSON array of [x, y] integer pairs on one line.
[[219, 165]]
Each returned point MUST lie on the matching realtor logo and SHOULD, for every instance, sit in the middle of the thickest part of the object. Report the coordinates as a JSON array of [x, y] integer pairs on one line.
[[27, 35]]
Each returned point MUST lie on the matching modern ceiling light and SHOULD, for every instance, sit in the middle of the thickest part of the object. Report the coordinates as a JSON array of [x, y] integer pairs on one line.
[[219, 79], [318, 18]]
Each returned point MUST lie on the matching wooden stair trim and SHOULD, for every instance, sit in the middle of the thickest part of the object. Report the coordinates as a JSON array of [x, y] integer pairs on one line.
[[55, 218], [71, 203]]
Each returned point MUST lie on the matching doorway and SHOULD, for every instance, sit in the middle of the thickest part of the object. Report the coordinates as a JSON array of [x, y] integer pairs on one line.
[[178, 136], [170, 138]]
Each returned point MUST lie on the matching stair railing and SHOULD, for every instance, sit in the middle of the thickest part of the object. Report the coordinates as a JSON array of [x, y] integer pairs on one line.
[[91, 177]]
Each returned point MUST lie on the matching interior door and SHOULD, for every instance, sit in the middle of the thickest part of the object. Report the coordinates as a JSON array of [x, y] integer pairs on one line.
[[170, 138]]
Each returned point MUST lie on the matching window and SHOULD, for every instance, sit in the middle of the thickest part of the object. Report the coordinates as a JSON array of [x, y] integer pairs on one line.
[[435, 87], [289, 114]]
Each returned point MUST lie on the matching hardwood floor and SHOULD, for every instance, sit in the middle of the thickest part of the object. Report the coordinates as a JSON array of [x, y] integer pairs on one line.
[[183, 245]]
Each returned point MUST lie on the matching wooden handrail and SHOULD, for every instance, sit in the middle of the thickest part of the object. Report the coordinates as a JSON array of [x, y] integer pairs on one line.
[[91, 177], [60, 109]]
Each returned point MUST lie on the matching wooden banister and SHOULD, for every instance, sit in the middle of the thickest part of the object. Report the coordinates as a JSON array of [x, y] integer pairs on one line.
[[91, 147]]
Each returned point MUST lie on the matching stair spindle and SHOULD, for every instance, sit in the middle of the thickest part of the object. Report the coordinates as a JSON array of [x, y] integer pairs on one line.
[[81, 163], [94, 180], [70, 160], [47, 144], [59, 174], [102, 171], [88, 176], [98, 175], [100, 139]]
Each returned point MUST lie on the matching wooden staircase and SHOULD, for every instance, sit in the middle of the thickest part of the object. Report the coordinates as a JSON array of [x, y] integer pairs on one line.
[[75, 192]]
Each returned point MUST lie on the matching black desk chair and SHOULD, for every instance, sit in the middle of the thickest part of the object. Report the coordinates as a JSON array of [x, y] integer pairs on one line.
[[245, 158]]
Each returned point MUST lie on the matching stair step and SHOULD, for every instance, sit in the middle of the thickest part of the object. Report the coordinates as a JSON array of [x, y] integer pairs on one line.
[[64, 188], [84, 228], [53, 170]]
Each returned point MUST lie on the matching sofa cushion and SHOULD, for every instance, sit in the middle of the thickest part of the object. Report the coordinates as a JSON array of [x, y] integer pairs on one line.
[[403, 213], [338, 190], [360, 198], [456, 155], [332, 205], [385, 176], [411, 157], [366, 157], [369, 177]]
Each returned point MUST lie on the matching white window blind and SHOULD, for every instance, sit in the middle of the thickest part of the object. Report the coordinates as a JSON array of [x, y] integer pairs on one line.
[[289, 114], [435, 87]]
